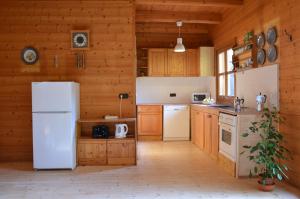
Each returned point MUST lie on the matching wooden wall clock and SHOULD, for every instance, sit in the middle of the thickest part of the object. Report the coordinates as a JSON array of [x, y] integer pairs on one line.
[[80, 40]]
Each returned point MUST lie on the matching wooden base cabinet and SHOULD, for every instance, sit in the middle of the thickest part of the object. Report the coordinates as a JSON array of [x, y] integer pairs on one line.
[[205, 130], [197, 127], [215, 136], [149, 122]]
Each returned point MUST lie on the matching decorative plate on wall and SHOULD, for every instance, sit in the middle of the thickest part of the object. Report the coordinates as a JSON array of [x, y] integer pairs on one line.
[[261, 56], [80, 39], [271, 35], [272, 53], [29, 55], [260, 41]]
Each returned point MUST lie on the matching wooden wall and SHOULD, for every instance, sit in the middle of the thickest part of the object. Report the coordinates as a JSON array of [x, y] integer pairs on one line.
[[258, 15], [46, 25]]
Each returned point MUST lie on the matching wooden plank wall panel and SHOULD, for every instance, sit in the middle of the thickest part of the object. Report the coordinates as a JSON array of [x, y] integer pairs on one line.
[[258, 15], [46, 25]]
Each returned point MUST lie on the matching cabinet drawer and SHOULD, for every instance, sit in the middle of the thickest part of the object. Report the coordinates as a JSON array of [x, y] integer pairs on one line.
[[149, 109]]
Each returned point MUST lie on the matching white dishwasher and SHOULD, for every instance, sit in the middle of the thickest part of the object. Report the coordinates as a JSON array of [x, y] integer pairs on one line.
[[176, 124]]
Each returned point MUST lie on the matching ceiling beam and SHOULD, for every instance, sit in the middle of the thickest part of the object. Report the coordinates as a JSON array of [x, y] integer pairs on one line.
[[172, 17], [167, 28], [212, 3]]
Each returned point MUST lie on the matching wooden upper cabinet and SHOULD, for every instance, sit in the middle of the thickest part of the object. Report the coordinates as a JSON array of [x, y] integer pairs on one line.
[[207, 61], [157, 62], [192, 63], [176, 63]]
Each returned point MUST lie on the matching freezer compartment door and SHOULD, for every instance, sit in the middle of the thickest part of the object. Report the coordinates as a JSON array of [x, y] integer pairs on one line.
[[52, 96], [54, 141]]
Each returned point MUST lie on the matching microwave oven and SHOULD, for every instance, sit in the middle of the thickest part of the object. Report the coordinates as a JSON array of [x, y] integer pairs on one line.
[[199, 97]]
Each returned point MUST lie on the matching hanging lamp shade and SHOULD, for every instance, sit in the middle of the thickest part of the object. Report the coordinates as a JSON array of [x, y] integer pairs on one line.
[[179, 46]]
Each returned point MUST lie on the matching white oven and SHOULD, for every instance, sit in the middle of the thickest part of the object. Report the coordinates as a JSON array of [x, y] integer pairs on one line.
[[228, 135]]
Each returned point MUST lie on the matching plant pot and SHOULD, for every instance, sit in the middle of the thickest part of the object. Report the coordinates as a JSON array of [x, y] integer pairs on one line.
[[268, 186]]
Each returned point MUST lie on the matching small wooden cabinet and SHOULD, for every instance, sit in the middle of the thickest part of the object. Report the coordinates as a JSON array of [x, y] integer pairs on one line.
[[149, 122], [111, 151], [205, 130]]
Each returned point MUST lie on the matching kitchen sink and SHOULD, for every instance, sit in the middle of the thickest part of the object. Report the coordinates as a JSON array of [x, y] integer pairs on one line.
[[220, 105]]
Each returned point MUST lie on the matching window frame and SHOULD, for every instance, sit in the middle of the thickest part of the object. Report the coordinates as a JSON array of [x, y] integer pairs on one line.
[[224, 98]]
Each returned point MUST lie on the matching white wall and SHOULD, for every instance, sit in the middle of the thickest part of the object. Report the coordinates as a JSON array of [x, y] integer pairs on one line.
[[158, 89], [263, 79]]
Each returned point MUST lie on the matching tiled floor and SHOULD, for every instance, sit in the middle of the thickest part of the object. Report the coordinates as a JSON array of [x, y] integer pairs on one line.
[[174, 170]]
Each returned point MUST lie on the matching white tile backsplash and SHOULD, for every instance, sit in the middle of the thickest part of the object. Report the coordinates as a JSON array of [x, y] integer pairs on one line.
[[263, 79], [158, 89]]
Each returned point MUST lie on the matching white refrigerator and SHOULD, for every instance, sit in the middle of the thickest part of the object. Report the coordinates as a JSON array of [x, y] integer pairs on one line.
[[55, 110]]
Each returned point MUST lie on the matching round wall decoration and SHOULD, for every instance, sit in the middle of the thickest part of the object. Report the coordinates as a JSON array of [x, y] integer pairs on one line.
[[261, 56], [271, 35], [260, 42], [80, 39], [272, 53], [29, 55]]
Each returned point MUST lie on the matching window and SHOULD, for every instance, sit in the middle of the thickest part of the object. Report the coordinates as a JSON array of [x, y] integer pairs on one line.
[[225, 75]]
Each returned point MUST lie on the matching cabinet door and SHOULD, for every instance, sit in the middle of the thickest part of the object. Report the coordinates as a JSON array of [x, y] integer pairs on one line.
[[157, 62], [176, 63], [91, 152], [215, 136], [207, 132], [193, 125], [199, 129], [207, 61], [150, 120], [121, 152], [192, 63]]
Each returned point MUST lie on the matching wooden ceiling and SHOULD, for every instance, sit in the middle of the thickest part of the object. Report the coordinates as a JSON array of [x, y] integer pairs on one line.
[[156, 18]]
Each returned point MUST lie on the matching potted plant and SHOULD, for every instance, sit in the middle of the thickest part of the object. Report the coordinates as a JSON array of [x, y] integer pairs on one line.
[[268, 153]]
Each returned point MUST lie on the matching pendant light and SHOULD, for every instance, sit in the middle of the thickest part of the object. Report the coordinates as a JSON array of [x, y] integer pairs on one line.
[[179, 46]]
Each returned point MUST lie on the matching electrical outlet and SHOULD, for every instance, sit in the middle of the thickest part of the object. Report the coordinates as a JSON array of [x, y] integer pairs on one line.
[[123, 96], [172, 94]]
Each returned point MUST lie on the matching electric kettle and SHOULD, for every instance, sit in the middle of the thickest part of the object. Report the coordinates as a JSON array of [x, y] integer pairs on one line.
[[121, 130], [260, 101]]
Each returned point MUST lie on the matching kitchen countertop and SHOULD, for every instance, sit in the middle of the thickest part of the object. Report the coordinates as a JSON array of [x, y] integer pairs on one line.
[[229, 110], [161, 104]]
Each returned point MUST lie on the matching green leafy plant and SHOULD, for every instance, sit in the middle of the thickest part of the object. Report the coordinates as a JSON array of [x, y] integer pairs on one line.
[[268, 153]]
